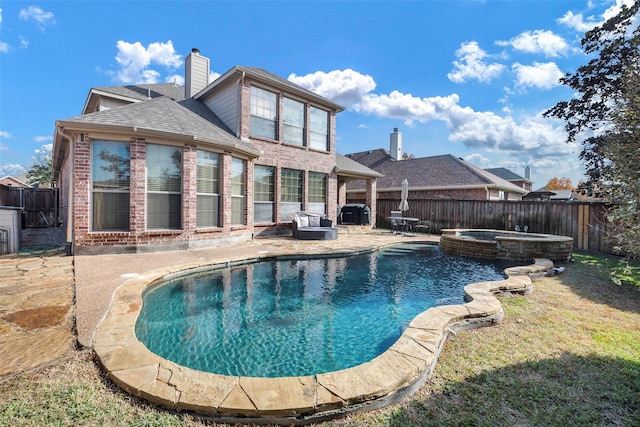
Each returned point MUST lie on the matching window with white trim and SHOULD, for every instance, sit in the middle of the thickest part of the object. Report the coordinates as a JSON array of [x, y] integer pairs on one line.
[[263, 193], [290, 193], [317, 193], [164, 187], [208, 189], [293, 121], [264, 113], [318, 129], [110, 180], [237, 191]]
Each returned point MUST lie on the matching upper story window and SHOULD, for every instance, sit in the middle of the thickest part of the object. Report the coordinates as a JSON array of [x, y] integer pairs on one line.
[[110, 175], [293, 121], [318, 129], [164, 187], [264, 113]]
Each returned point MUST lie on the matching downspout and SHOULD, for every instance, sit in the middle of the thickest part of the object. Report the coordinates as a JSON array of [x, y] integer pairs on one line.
[[69, 243], [486, 189]]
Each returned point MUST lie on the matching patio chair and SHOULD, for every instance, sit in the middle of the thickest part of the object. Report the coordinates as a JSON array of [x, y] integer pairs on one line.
[[397, 223], [421, 226]]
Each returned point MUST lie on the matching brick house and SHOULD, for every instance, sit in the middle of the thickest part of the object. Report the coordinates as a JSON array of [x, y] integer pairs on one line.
[[160, 166], [435, 177]]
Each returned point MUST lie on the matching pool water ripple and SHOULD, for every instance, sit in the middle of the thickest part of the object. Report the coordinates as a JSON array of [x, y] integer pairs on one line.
[[302, 316]]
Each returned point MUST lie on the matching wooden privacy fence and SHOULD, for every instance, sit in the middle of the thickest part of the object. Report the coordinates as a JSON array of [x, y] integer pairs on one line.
[[584, 221], [39, 205]]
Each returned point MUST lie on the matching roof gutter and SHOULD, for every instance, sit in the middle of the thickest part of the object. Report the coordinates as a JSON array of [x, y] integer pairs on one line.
[[69, 224]]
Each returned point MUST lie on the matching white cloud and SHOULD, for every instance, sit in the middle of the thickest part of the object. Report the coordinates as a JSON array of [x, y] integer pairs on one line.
[[39, 154], [4, 47], [539, 75], [471, 64], [12, 169], [4, 134], [478, 160], [37, 15], [24, 43], [580, 23], [345, 87], [539, 41], [43, 138], [134, 60], [532, 136]]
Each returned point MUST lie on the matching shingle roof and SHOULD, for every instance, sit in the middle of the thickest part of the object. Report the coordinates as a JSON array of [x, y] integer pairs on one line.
[[445, 171], [143, 92], [506, 174], [188, 117], [348, 167]]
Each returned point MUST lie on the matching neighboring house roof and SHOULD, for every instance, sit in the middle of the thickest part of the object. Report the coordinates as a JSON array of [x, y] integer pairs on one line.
[[133, 93], [350, 168], [429, 173], [272, 79], [507, 175], [12, 181]]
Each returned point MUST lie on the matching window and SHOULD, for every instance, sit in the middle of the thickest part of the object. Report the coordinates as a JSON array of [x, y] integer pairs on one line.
[[317, 193], [110, 176], [291, 193], [164, 187], [293, 121], [264, 113], [237, 191], [208, 189], [318, 129], [263, 193]]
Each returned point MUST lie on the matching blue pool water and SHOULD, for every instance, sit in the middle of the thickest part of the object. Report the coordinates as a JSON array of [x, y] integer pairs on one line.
[[302, 316]]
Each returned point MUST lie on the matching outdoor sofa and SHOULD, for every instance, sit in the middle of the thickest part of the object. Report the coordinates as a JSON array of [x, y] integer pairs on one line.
[[310, 226]]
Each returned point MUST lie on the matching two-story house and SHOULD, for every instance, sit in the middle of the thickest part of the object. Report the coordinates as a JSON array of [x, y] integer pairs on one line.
[[157, 167]]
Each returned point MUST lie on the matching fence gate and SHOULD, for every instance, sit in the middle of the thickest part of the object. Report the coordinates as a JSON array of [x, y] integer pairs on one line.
[[39, 205]]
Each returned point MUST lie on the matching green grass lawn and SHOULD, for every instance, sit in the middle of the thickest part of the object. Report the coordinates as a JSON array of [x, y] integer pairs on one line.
[[568, 354]]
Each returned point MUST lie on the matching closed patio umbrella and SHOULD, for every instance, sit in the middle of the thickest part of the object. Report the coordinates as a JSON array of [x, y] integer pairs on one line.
[[404, 204]]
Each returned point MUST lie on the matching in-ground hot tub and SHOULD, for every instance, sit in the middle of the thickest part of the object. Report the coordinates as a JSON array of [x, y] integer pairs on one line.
[[502, 244]]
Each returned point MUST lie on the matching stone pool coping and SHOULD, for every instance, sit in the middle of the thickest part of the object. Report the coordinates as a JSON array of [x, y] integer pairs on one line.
[[395, 374]]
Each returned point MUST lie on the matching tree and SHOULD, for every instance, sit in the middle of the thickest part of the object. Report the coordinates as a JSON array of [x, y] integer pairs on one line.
[[41, 172], [622, 179], [604, 117], [589, 115], [559, 184]]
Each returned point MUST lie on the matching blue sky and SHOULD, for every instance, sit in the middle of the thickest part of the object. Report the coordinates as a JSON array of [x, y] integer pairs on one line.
[[469, 78]]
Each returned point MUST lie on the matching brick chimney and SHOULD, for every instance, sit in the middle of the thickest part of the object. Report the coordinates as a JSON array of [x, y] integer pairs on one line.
[[196, 73], [395, 147]]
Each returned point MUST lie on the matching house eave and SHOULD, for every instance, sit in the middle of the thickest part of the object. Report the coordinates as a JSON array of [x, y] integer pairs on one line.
[[143, 132], [240, 72]]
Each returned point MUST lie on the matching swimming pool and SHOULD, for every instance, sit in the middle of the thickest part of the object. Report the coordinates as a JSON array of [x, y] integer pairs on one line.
[[303, 316]]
